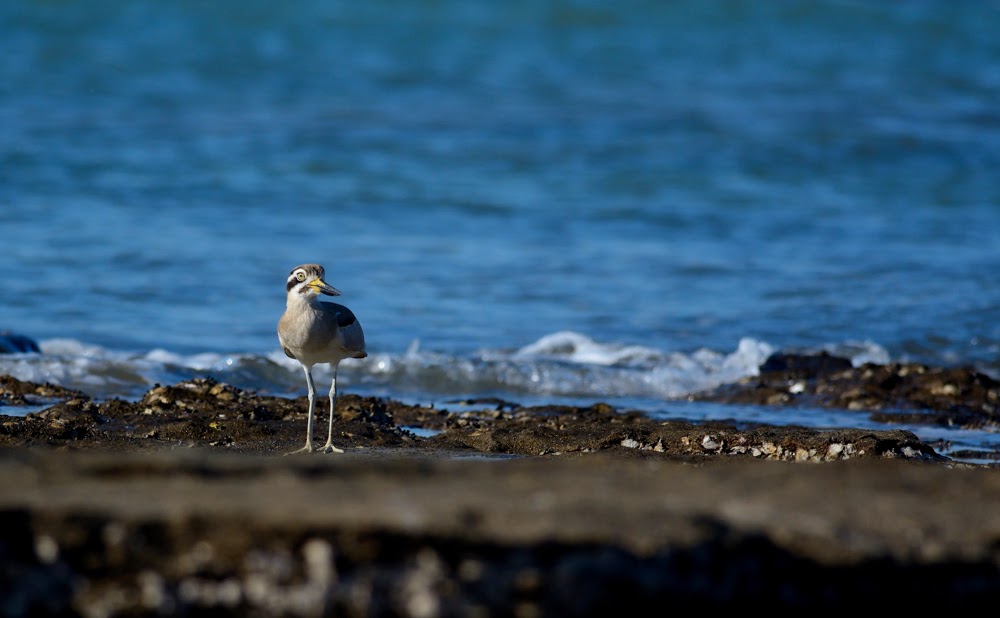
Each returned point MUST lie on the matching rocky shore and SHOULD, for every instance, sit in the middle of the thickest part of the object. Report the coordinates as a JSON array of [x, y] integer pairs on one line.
[[182, 503]]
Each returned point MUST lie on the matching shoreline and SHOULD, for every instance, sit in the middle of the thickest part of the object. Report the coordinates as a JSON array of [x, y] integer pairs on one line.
[[206, 412]]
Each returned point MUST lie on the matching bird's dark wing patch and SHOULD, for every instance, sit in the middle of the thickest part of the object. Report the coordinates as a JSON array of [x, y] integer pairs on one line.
[[345, 317]]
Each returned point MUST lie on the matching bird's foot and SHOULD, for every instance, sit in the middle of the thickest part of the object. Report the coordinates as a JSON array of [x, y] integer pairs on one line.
[[305, 449], [330, 448]]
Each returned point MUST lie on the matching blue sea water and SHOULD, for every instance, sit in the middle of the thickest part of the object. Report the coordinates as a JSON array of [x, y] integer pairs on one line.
[[596, 201]]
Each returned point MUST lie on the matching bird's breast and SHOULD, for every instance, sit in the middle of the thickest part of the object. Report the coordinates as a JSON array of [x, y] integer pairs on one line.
[[311, 335]]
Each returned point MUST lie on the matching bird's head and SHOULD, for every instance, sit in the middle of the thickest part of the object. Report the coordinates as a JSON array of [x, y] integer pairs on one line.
[[307, 280]]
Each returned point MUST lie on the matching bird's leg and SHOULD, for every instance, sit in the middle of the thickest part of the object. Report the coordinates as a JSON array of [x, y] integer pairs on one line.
[[308, 448], [329, 447]]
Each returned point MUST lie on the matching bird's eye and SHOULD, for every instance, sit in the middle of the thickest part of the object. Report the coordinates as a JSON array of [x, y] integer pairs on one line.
[[301, 276]]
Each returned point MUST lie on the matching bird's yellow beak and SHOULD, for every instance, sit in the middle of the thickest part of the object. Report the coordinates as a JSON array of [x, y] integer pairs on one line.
[[322, 287]]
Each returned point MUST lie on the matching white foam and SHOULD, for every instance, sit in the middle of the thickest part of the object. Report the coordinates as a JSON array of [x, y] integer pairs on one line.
[[860, 352], [641, 371], [70, 347], [578, 348], [72, 364]]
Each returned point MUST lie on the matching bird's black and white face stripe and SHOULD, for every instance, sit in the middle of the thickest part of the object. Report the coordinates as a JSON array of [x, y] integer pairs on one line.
[[308, 279], [301, 275]]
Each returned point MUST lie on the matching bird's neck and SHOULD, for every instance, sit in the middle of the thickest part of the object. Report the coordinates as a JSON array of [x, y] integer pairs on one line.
[[299, 300]]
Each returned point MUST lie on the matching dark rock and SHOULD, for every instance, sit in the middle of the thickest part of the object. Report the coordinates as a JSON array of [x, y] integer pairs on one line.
[[14, 392], [805, 366], [203, 412], [897, 392], [11, 343]]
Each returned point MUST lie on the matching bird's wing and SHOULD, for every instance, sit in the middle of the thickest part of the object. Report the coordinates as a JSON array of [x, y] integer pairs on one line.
[[350, 330]]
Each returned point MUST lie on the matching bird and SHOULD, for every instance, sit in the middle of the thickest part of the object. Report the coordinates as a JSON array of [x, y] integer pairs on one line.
[[312, 332]]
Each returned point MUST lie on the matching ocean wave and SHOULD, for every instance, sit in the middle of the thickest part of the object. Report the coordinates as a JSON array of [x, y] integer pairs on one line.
[[561, 364]]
